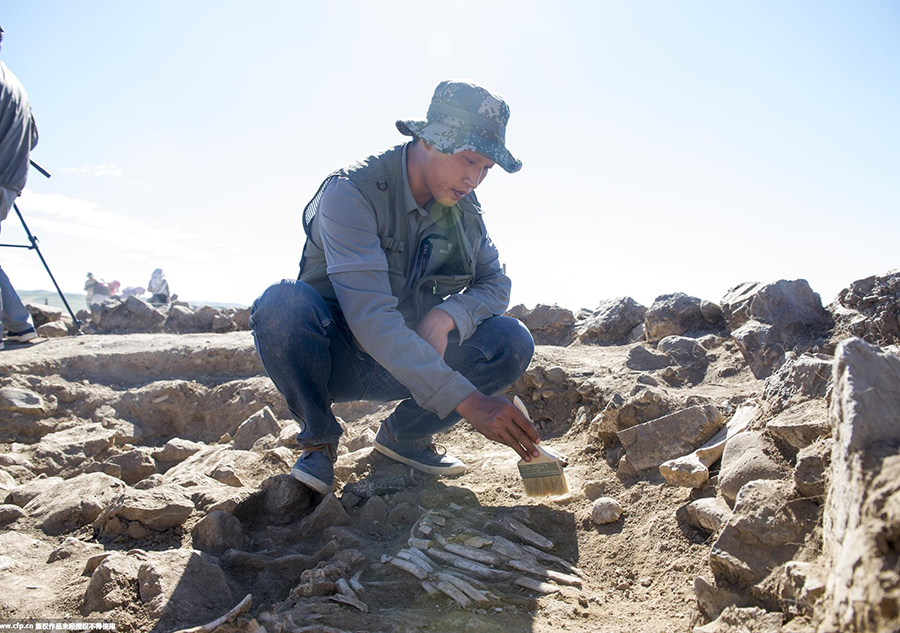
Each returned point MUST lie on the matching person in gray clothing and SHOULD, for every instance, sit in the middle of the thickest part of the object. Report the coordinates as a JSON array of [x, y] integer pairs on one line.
[[18, 135], [400, 297]]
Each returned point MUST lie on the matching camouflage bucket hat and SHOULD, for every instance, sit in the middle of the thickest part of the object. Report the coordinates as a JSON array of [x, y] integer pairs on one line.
[[465, 116]]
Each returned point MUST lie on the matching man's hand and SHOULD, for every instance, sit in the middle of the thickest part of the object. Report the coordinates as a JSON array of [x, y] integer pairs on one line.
[[434, 327], [499, 420]]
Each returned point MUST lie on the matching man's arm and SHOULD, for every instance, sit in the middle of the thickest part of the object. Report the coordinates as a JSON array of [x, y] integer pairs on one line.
[[487, 296]]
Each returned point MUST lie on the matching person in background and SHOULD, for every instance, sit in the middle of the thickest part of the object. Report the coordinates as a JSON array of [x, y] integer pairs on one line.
[[159, 288], [96, 291], [18, 135]]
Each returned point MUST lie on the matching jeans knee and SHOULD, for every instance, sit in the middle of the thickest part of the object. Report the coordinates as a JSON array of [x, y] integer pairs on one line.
[[286, 304], [508, 346], [521, 345]]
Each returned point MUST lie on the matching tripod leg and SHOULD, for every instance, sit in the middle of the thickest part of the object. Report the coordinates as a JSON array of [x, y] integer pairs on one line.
[[34, 245]]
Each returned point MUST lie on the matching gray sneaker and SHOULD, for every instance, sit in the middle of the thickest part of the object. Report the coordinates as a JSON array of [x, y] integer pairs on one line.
[[315, 469], [429, 459]]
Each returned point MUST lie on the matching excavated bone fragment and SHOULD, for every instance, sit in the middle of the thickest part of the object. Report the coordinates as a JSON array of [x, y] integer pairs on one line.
[[438, 520], [692, 470], [351, 600], [507, 548], [355, 584], [537, 585], [430, 588], [466, 588], [241, 607], [418, 543], [537, 570], [529, 535], [410, 567], [473, 554], [550, 558], [463, 563], [477, 542], [417, 557], [457, 595]]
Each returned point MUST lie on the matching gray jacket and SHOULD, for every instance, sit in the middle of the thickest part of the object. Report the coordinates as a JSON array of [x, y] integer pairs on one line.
[[385, 262]]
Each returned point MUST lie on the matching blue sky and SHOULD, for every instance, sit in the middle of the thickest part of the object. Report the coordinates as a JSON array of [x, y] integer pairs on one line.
[[667, 146]]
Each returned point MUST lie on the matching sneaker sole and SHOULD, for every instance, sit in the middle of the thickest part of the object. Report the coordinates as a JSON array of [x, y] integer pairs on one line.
[[22, 337], [311, 482], [447, 471]]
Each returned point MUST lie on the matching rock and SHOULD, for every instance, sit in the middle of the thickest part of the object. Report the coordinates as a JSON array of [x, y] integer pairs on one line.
[[288, 435], [73, 503], [222, 323], [183, 585], [869, 309], [22, 494], [23, 401], [674, 314], [176, 450], [692, 470], [785, 315], [364, 440], [65, 450], [158, 508], [642, 405], [862, 516], [54, 329], [216, 532], [744, 620], [41, 314], [801, 378], [802, 585], [356, 462], [709, 514], [800, 426], [10, 513], [612, 322], [641, 358], [258, 425], [7, 483], [114, 582], [768, 526], [649, 444], [712, 600], [684, 350], [329, 513], [131, 315], [811, 470], [549, 325], [74, 547], [605, 510], [284, 498], [747, 457], [241, 319], [736, 303], [134, 465]]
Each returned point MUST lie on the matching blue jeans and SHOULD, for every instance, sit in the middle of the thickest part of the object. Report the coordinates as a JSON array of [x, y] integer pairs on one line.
[[14, 314], [308, 351]]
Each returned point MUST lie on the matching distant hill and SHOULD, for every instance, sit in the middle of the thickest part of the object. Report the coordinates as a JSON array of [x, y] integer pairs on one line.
[[76, 300]]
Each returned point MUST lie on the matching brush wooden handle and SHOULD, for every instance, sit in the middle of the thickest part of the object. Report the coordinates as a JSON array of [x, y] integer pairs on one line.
[[545, 455]]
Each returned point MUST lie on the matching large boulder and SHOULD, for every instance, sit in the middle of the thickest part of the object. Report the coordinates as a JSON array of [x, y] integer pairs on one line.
[[768, 526], [158, 508], [869, 309], [802, 377], [650, 444], [785, 315], [612, 322], [42, 314], [677, 314], [862, 515], [73, 503], [749, 456], [549, 325], [131, 315]]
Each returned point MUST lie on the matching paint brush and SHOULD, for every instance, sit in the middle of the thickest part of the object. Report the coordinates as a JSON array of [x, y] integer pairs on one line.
[[543, 475]]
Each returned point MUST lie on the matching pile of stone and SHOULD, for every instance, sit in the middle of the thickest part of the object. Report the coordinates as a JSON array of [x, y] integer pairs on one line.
[[132, 315]]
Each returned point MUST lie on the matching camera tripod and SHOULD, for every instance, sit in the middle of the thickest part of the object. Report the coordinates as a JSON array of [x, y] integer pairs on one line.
[[33, 245]]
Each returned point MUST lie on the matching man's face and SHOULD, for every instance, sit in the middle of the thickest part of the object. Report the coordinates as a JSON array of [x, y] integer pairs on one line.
[[449, 177]]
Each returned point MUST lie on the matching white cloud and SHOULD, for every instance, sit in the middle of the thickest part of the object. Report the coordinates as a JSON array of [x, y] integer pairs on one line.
[[101, 171], [84, 220]]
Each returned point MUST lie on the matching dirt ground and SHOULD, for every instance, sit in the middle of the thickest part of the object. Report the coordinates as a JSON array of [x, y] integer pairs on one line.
[[636, 574]]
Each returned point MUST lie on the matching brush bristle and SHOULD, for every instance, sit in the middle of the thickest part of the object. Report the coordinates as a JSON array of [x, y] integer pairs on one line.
[[544, 480]]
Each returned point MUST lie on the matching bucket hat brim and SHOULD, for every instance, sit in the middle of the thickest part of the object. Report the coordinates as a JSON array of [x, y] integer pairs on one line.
[[451, 139]]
